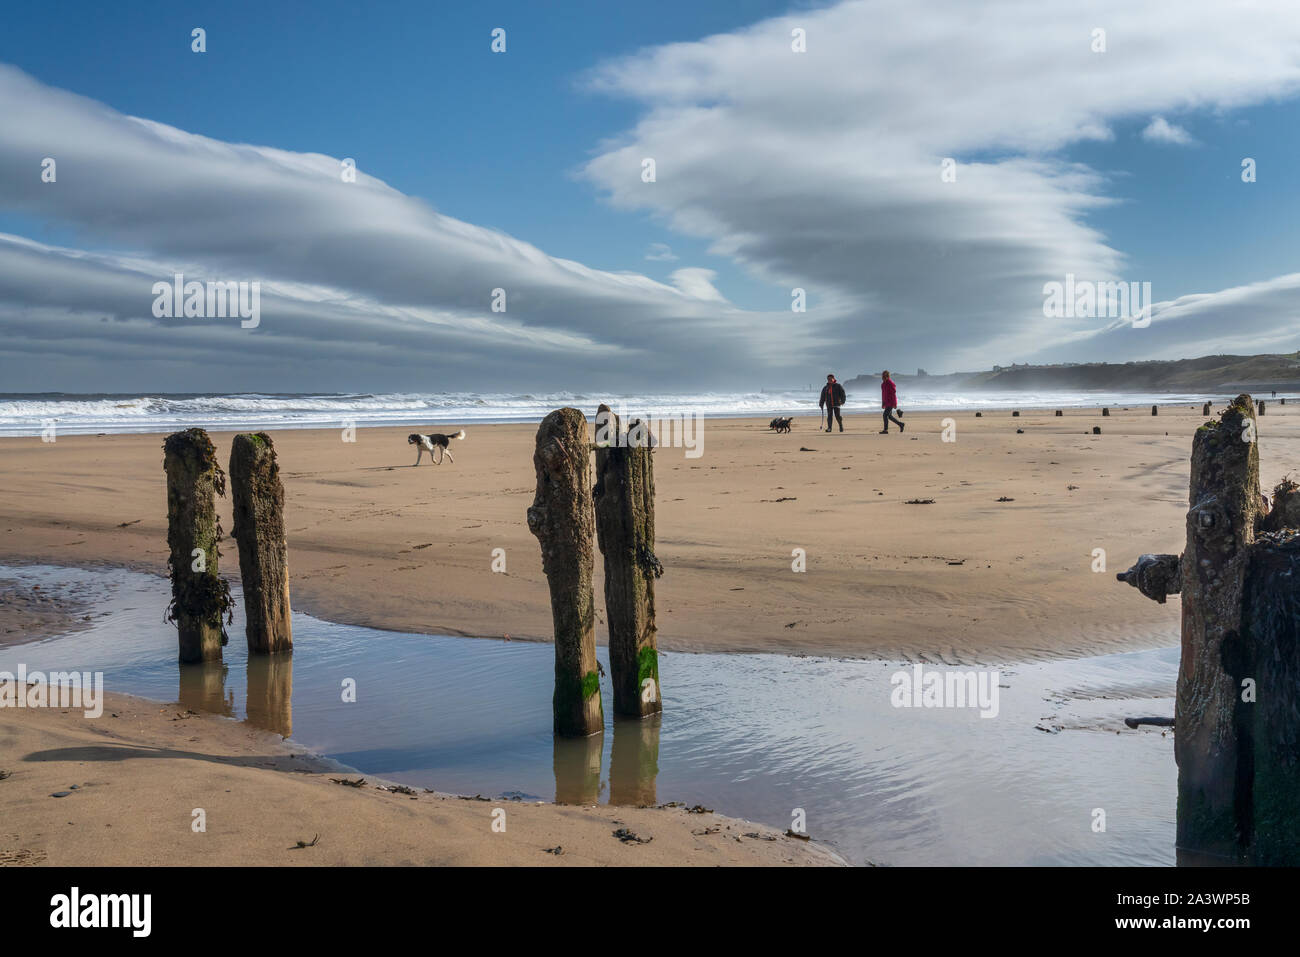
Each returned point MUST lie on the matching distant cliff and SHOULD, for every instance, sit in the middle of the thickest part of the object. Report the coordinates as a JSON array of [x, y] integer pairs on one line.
[[1210, 374]]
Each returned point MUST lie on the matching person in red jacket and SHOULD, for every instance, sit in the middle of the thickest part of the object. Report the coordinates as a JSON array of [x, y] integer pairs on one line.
[[889, 402], [831, 399]]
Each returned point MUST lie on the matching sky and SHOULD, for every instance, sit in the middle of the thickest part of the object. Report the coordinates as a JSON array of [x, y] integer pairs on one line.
[[796, 147]]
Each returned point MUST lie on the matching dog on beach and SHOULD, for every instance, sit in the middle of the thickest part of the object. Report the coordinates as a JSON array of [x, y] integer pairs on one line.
[[781, 424], [434, 440]]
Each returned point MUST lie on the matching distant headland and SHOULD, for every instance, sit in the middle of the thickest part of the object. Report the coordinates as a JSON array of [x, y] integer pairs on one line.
[[1223, 373]]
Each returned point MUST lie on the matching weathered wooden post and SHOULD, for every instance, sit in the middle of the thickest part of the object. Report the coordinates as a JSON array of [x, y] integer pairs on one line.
[[1015, 414], [1261, 406], [1205, 409], [1155, 410], [625, 529], [259, 530], [1059, 413], [1105, 411], [1224, 505], [1270, 723], [201, 604], [1237, 739], [562, 519]]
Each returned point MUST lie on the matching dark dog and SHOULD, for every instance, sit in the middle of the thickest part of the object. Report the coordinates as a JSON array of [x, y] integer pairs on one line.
[[427, 443], [780, 424]]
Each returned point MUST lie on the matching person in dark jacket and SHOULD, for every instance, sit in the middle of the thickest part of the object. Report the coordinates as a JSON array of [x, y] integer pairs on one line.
[[889, 402], [831, 400]]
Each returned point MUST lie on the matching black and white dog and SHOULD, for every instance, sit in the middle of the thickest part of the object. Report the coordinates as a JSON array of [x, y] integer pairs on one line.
[[780, 424], [427, 443]]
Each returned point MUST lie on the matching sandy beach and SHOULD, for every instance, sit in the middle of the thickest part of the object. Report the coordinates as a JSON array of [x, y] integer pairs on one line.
[[130, 781], [999, 567]]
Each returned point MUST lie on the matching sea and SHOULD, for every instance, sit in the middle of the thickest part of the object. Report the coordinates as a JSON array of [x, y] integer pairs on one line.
[[93, 413]]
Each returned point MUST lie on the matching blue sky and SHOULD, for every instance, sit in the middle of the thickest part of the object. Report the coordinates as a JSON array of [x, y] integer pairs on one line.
[[777, 170], [410, 90]]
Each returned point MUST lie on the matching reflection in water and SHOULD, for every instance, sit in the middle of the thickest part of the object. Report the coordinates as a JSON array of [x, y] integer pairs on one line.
[[633, 764], [750, 735], [203, 688], [634, 760], [577, 769], [270, 692]]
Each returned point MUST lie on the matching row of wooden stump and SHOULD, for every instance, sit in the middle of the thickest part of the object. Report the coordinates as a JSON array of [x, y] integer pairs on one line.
[[1155, 410], [568, 516]]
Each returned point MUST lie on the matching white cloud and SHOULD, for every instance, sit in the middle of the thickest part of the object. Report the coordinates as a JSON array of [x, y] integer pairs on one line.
[[819, 170], [822, 169], [660, 252], [697, 283], [380, 270], [1160, 130], [1241, 320]]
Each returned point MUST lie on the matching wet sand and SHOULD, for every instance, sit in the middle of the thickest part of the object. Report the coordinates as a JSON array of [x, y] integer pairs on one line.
[[967, 579], [141, 769], [30, 613]]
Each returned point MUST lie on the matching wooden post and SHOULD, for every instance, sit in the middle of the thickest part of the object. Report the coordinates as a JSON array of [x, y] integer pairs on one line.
[[625, 529], [1058, 412], [1261, 406], [1105, 412], [1205, 409], [201, 604], [1270, 725], [263, 555], [1237, 740], [1224, 499], [1155, 410], [1015, 414], [561, 517]]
